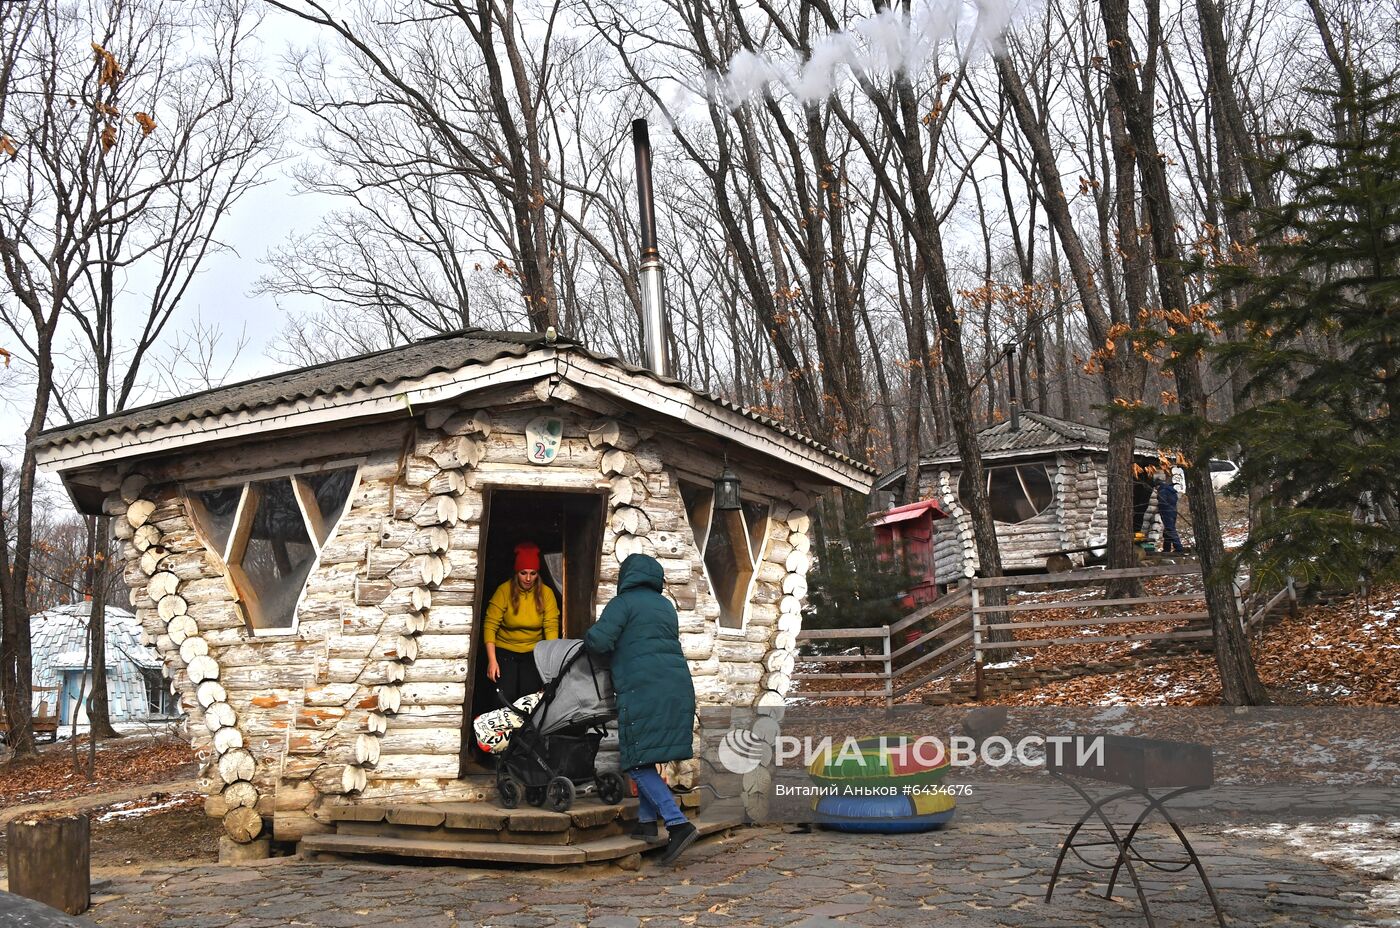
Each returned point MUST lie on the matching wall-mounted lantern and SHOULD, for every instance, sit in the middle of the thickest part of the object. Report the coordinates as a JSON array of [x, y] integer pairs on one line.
[[727, 490]]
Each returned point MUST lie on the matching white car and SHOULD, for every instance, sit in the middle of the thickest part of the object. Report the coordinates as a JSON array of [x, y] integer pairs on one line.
[[1222, 472]]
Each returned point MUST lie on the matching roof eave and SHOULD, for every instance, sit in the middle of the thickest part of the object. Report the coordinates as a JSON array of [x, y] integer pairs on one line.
[[401, 398], [381, 400], [686, 405]]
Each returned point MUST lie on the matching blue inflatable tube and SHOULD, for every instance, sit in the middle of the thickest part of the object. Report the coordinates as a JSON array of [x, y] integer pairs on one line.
[[884, 814]]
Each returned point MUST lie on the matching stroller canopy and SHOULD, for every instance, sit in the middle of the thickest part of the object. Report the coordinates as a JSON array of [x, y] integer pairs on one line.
[[584, 692]]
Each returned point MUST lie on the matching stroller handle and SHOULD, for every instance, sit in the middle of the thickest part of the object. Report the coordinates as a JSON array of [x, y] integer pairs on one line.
[[509, 705]]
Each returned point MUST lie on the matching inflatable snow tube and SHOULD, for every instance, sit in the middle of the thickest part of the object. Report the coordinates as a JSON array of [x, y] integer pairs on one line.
[[885, 814], [893, 761]]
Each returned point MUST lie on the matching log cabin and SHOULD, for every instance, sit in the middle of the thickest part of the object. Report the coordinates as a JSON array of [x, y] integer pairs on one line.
[[310, 552], [1047, 483], [59, 643]]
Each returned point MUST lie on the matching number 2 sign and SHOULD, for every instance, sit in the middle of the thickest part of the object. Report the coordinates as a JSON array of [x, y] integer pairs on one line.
[[542, 437]]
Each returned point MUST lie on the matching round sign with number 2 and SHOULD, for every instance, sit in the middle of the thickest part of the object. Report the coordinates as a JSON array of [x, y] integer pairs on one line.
[[542, 437]]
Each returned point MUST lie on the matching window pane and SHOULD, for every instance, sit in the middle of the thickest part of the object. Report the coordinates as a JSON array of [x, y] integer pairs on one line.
[[159, 701], [756, 515], [214, 511], [727, 564], [1005, 496], [1018, 493], [697, 509], [331, 489], [279, 554], [1036, 480]]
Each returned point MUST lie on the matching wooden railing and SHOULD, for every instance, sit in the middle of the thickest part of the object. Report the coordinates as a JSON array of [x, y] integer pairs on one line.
[[962, 628], [1256, 607], [879, 636]]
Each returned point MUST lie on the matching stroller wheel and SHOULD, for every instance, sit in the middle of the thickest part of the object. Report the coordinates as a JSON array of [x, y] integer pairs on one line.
[[535, 795], [560, 794], [509, 789], [610, 788]]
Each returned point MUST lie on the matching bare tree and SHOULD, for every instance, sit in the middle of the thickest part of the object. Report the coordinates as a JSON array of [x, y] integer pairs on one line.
[[1110, 322], [1239, 680], [449, 104], [135, 127]]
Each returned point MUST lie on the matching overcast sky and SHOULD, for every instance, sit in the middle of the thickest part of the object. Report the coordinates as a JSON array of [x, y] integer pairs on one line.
[[223, 293]]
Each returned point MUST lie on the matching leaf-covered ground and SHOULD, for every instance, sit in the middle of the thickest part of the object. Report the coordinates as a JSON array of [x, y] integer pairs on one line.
[[130, 761], [1345, 654]]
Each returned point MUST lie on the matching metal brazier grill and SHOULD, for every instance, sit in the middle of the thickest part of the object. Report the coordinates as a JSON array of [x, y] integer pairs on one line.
[[1141, 766]]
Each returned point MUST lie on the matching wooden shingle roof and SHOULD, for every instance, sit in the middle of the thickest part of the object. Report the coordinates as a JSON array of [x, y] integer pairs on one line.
[[409, 376], [1039, 434]]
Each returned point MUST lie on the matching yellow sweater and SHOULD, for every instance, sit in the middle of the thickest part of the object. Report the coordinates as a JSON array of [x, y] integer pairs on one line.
[[521, 631]]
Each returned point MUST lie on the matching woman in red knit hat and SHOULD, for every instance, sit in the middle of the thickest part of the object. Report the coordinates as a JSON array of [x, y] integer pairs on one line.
[[522, 613]]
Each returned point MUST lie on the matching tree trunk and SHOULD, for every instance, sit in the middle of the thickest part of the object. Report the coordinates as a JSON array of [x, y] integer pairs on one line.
[[1110, 342], [930, 249], [99, 711], [1239, 682], [50, 861], [1122, 549], [18, 655]]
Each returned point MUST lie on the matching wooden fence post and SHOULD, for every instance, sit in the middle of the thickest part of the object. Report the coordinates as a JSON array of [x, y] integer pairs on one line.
[[976, 640], [889, 670]]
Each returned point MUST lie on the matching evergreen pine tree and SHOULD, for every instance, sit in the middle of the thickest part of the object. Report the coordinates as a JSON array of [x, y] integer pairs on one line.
[[1320, 306], [854, 586]]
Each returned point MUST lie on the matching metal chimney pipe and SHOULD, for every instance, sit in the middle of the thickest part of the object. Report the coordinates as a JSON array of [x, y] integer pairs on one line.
[[655, 331], [1011, 387]]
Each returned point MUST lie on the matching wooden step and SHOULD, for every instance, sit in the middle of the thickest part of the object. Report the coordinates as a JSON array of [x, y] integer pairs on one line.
[[480, 816], [608, 848]]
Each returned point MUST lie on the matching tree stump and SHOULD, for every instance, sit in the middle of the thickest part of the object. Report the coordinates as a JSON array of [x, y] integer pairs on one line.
[[49, 861]]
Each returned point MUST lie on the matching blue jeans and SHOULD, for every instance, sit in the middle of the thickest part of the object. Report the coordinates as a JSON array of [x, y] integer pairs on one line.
[[655, 798], [1171, 541]]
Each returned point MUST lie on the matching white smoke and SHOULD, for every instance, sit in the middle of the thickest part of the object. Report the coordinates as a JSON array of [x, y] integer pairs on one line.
[[889, 42]]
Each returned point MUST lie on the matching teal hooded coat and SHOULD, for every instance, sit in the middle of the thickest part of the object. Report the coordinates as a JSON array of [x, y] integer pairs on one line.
[[655, 696]]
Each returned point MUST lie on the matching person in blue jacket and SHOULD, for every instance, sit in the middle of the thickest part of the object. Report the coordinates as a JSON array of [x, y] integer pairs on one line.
[[1166, 511], [640, 631]]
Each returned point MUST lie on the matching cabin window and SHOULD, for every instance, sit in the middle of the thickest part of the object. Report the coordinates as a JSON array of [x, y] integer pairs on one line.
[[1017, 492], [216, 510], [159, 700], [269, 534], [731, 545]]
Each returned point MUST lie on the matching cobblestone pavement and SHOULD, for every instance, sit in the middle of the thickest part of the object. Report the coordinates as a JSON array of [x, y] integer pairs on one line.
[[759, 876]]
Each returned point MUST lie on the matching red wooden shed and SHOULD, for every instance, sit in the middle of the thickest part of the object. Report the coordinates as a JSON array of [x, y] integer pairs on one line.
[[907, 532]]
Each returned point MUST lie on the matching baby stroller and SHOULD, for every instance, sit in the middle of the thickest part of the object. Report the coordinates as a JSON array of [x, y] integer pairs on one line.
[[550, 758]]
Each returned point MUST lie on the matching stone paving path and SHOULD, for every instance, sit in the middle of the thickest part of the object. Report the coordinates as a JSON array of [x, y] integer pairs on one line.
[[757, 876]]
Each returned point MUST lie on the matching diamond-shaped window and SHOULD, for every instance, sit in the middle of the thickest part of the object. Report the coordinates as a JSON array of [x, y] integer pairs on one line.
[[269, 534], [731, 544]]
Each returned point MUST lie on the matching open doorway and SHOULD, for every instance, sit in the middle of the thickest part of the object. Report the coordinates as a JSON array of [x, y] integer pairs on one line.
[[1142, 501], [568, 527]]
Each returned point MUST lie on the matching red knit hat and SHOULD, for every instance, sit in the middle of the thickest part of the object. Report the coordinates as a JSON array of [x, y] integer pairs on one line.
[[527, 556]]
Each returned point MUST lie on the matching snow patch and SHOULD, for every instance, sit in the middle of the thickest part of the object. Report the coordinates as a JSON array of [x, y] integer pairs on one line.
[[139, 808], [1369, 845]]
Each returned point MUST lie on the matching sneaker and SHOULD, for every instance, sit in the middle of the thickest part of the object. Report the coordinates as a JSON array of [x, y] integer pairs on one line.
[[681, 837], [647, 831]]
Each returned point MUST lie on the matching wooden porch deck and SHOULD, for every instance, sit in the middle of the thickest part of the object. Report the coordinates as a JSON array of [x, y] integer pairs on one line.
[[482, 832]]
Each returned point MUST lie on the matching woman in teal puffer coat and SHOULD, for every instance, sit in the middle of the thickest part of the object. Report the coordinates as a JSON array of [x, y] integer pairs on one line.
[[639, 629]]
